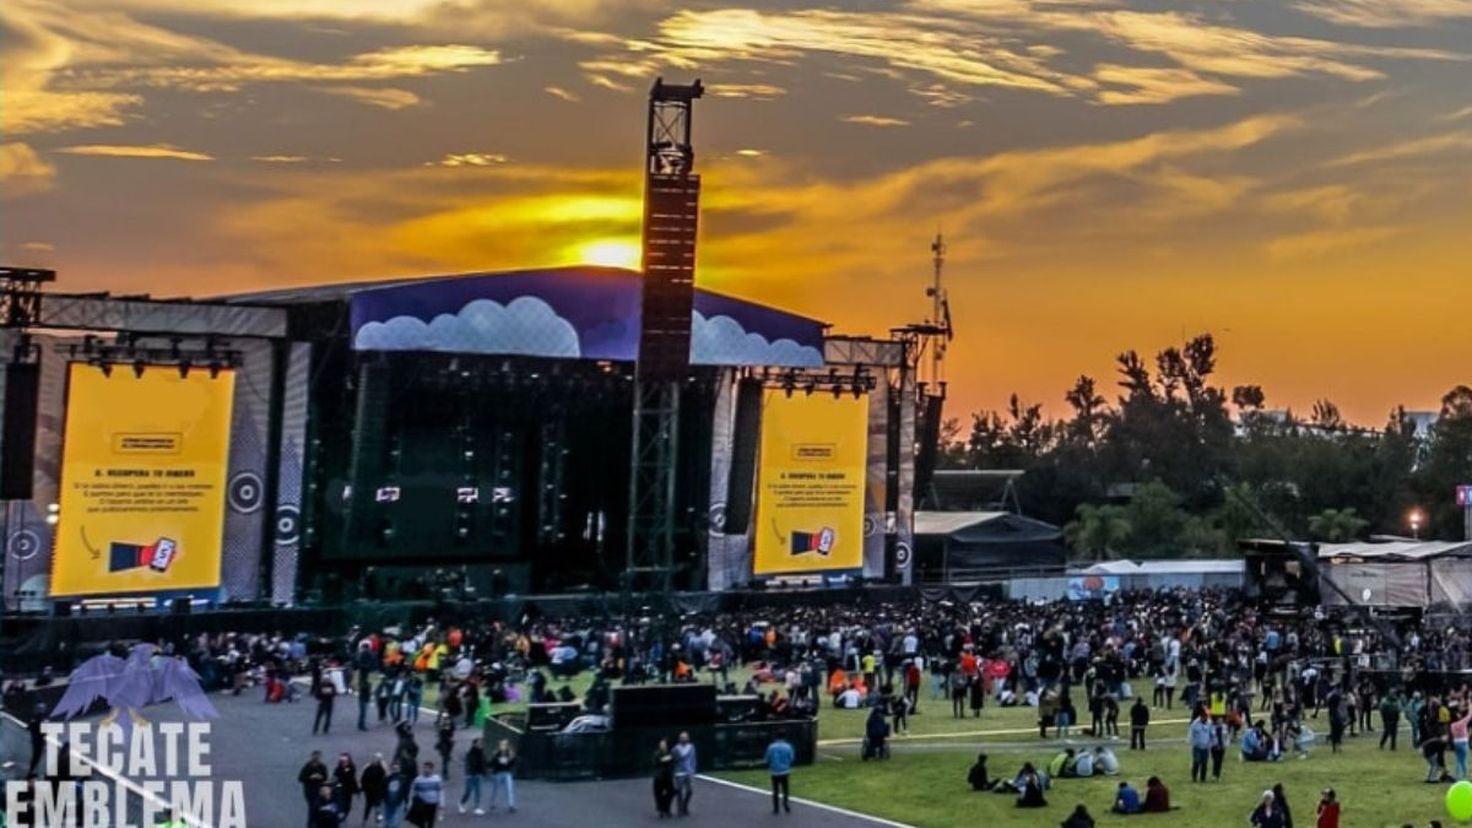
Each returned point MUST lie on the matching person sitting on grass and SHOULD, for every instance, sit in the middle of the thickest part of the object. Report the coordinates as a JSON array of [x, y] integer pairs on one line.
[[1031, 795], [1079, 819], [1105, 762], [1157, 797], [1254, 744], [1061, 766], [837, 682], [1083, 765], [1018, 784], [1126, 800], [976, 777]]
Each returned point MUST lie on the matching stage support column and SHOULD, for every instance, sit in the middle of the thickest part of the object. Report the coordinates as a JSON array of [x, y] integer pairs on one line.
[[671, 212]]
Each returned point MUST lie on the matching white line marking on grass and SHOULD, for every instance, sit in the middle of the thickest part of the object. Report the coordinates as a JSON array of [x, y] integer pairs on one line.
[[909, 738], [117, 778], [808, 802]]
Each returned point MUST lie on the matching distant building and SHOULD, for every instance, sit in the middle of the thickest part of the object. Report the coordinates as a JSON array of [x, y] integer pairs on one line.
[[1422, 421]]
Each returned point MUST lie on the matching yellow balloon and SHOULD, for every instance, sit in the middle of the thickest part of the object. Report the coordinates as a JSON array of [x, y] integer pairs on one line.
[[1459, 801]]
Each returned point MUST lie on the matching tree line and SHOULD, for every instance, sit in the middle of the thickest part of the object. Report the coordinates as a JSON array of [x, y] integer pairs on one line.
[[1177, 465]]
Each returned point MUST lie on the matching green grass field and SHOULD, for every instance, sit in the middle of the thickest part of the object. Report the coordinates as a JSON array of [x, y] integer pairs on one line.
[[924, 781]]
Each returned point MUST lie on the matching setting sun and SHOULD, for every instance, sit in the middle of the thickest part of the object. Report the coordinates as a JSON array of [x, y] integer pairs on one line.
[[609, 253]]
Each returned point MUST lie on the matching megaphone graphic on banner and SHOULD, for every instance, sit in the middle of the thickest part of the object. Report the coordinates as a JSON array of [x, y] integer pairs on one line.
[[157, 556], [821, 542]]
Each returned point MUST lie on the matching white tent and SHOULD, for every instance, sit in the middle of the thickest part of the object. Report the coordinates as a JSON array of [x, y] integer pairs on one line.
[[1397, 573]]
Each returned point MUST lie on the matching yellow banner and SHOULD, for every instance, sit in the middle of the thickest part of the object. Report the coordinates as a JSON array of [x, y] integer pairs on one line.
[[144, 461], [810, 494]]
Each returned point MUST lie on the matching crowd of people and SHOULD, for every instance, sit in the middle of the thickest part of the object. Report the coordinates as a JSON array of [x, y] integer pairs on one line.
[[1247, 677]]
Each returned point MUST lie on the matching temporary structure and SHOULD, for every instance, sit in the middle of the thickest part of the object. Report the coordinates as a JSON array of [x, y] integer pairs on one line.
[[1397, 573]]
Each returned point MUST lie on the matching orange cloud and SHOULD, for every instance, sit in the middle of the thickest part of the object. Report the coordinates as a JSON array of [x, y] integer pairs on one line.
[[131, 151], [23, 172], [874, 120]]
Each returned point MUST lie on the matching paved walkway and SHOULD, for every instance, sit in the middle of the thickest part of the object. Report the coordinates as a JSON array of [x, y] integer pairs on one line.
[[265, 745]]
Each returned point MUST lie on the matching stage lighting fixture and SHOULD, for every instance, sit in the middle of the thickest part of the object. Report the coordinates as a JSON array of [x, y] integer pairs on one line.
[[215, 368], [837, 391], [810, 387], [106, 368], [184, 369], [138, 366], [858, 390]]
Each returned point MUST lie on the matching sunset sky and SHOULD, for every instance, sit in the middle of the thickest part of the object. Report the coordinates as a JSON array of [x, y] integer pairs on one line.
[[1294, 176]]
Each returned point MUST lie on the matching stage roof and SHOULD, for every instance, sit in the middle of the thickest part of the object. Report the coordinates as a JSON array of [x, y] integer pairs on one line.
[[1396, 550], [944, 523], [568, 312], [1167, 567]]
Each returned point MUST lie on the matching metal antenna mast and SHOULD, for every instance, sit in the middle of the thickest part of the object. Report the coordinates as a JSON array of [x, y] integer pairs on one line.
[[940, 312]]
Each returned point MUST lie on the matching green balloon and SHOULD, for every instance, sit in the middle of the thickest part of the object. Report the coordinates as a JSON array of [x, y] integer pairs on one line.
[[1459, 801]]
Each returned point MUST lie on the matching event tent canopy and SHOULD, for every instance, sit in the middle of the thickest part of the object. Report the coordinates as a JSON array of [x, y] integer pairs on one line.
[[1397, 573], [974, 545]]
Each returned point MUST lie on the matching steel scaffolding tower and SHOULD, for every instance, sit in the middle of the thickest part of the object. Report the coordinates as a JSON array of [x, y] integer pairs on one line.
[[671, 209]]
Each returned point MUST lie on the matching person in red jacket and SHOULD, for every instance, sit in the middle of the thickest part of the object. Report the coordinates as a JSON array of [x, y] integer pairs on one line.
[[1328, 810]]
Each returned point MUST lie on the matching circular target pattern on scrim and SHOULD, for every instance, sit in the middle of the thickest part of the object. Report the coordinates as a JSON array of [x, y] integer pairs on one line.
[[23, 545], [902, 555], [246, 492], [288, 524]]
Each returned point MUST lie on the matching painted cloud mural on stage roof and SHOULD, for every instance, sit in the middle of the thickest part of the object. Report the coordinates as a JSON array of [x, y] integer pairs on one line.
[[570, 313]]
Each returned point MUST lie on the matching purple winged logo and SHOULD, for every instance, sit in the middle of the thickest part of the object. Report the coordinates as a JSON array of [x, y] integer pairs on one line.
[[128, 684]]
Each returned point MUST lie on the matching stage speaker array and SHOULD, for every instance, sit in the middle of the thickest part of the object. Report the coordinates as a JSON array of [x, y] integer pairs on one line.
[[368, 457], [745, 439], [663, 705], [550, 473], [18, 436]]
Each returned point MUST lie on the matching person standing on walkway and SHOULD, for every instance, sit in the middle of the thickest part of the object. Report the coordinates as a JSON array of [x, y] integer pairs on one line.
[[1139, 720], [312, 777], [326, 693], [374, 777], [780, 757], [475, 771], [445, 740], [365, 696], [413, 697], [1199, 735], [345, 783], [503, 775], [327, 813], [425, 794], [664, 779], [395, 796], [685, 765]]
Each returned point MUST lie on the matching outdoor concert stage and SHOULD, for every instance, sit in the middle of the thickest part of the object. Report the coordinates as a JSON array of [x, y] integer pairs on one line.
[[455, 437]]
